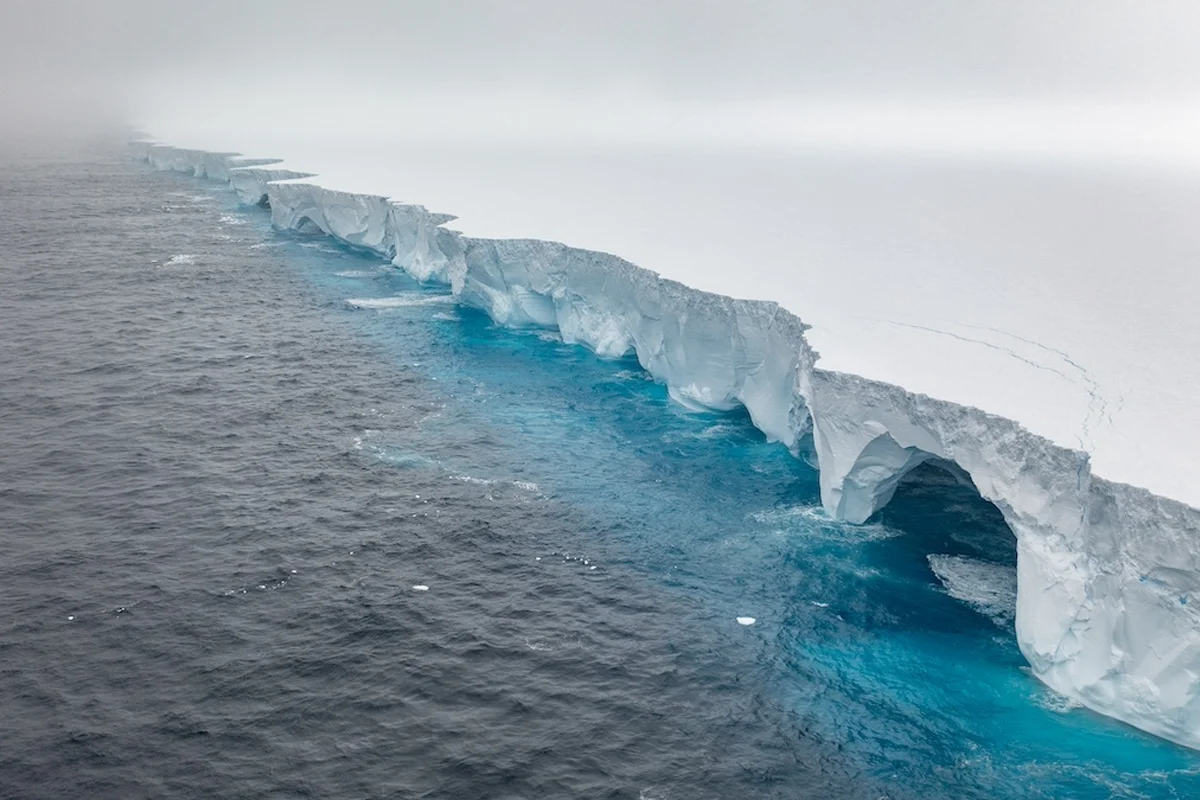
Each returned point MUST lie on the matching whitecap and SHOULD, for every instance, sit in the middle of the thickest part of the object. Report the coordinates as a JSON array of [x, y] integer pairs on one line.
[[401, 458], [818, 526], [1058, 703], [715, 431], [784, 513], [473, 480], [180, 259]]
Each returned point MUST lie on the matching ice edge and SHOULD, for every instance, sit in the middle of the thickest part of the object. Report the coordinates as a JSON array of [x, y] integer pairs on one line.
[[1106, 571]]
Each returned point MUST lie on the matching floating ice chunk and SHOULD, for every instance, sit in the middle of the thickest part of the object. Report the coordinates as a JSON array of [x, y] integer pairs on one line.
[[746, 620], [399, 301], [991, 589], [420, 587]]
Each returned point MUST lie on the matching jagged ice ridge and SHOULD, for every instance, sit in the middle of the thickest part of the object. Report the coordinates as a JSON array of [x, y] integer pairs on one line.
[[1106, 572]]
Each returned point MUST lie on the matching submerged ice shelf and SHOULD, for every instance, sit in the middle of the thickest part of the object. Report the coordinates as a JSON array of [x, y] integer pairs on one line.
[[1107, 572]]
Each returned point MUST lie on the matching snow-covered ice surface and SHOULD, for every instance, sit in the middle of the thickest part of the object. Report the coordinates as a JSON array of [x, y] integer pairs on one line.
[[1030, 327]]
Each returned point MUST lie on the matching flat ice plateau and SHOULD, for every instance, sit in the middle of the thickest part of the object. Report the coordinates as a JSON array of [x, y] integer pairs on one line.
[[1030, 328]]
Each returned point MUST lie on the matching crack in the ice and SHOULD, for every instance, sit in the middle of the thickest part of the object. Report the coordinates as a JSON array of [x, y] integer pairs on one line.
[[1097, 405], [1097, 402]]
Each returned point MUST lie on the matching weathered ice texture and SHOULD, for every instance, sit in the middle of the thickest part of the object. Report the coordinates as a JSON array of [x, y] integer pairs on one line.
[[1108, 574]]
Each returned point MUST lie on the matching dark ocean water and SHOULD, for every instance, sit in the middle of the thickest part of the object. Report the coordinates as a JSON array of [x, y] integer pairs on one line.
[[229, 457]]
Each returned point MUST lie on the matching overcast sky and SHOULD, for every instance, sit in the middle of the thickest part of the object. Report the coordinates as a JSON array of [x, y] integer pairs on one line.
[[559, 67]]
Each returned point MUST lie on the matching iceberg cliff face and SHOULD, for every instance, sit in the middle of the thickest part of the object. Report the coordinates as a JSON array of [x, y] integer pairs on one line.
[[250, 182], [710, 351], [1107, 573]]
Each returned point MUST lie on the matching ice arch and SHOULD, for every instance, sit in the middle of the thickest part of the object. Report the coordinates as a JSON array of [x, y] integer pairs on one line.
[[1108, 599], [871, 482], [1105, 571]]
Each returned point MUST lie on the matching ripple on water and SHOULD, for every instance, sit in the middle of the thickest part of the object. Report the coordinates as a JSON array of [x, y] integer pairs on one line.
[[193, 430]]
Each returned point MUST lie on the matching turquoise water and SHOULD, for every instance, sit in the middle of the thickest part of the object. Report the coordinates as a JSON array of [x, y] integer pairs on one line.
[[233, 454], [854, 631]]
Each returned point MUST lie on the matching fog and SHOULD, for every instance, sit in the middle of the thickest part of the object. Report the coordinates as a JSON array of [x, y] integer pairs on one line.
[[942, 75]]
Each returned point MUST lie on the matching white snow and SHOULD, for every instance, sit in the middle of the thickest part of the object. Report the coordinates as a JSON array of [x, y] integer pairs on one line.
[[1030, 327], [1034, 294]]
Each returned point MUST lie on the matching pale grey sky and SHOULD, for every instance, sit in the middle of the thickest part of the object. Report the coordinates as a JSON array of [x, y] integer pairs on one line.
[[63, 59]]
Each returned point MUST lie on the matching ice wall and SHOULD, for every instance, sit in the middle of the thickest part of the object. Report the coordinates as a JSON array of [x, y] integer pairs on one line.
[[250, 181], [1108, 574]]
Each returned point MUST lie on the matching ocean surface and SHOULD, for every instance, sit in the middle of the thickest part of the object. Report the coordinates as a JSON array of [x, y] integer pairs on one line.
[[276, 521]]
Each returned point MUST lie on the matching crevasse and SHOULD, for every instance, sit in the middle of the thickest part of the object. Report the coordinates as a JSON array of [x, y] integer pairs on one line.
[[1108, 574]]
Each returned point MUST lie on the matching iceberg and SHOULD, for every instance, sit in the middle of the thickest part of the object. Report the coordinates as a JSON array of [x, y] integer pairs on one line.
[[250, 180], [1107, 572]]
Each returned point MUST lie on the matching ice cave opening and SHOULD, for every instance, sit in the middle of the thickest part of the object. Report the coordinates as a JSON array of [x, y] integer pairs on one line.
[[306, 227], [953, 541]]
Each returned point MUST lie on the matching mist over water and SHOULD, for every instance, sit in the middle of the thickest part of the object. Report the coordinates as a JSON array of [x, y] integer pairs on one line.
[[1059, 80]]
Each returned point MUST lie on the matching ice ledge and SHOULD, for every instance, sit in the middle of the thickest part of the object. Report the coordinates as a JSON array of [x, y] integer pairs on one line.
[[1108, 574]]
